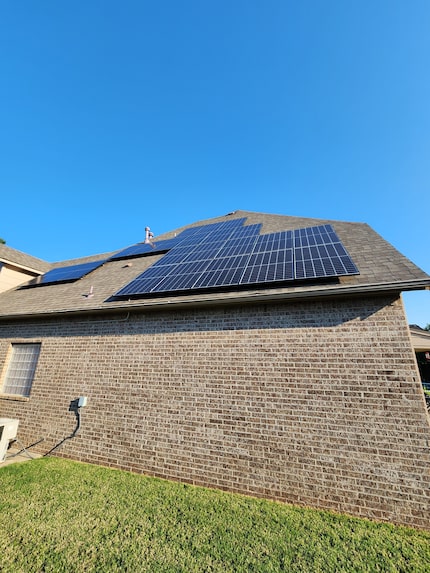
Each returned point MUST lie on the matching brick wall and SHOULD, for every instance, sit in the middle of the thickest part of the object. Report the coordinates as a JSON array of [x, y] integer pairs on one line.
[[316, 403]]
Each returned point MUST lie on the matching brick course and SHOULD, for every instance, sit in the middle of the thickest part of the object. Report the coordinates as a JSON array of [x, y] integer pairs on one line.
[[314, 403]]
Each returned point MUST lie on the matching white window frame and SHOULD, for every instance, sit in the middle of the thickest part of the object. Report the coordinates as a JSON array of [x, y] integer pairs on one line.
[[20, 368]]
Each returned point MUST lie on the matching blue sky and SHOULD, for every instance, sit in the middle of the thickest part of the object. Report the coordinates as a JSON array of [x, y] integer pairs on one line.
[[118, 115]]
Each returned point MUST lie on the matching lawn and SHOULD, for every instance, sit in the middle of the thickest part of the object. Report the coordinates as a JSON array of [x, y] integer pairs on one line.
[[62, 516]]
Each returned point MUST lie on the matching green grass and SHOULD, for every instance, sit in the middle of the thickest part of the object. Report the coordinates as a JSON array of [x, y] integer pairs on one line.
[[62, 516]]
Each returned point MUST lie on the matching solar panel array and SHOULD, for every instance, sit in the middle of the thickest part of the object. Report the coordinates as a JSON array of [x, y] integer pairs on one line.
[[71, 273], [158, 247], [231, 254]]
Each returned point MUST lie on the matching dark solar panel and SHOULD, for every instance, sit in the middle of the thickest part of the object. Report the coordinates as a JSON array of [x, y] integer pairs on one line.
[[190, 236], [248, 231], [274, 241], [231, 254], [204, 251], [235, 246], [213, 232], [142, 249], [71, 273], [269, 267], [140, 285], [318, 252], [177, 282]]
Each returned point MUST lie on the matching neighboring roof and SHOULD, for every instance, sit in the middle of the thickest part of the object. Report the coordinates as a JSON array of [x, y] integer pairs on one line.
[[22, 260], [420, 338], [382, 270]]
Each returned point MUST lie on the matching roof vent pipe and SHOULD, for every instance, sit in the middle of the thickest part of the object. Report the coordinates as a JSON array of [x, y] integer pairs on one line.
[[148, 237]]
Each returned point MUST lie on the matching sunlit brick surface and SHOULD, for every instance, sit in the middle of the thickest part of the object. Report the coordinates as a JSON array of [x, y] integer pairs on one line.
[[315, 403]]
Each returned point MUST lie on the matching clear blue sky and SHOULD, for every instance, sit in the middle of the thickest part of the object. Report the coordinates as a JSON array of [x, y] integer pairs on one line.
[[117, 115]]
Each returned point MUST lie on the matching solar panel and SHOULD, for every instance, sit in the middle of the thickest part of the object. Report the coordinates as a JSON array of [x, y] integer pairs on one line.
[[318, 252], [248, 231], [142, 249], [234, 255], [190, 236], [235, 246], [71, 273], [264, 267], [213, 232]]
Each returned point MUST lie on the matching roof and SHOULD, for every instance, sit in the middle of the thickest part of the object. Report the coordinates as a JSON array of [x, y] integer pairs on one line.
[[420, 338], [22, 260], [382, 269]]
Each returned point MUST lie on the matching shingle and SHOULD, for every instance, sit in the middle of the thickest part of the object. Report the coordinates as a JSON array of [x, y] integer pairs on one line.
[[9, 255]]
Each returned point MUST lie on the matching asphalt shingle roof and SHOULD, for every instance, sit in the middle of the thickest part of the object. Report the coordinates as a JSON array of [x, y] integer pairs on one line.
[[382, 269], [9, 255]]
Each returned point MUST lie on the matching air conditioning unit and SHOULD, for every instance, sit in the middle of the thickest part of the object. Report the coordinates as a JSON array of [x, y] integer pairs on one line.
[[8, 432]]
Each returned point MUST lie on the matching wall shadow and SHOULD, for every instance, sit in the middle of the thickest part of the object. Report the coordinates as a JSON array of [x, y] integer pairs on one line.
[[73, 407]]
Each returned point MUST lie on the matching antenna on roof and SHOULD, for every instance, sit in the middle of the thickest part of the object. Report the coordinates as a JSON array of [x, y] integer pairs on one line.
[[148, 237]]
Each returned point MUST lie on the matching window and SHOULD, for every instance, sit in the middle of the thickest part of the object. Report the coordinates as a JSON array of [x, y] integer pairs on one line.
[[20, 369]]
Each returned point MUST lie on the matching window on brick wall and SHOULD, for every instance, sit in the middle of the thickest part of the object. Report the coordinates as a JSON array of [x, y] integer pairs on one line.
[[20, 369]]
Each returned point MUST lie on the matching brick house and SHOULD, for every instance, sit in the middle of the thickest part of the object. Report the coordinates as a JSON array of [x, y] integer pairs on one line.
[[302, 389]]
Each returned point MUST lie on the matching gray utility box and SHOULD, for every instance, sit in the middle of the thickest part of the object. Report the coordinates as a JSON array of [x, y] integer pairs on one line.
[[8, 432]]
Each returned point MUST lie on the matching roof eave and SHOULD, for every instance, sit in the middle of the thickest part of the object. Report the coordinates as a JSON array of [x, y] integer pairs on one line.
[[22, 267], [237, 298]]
